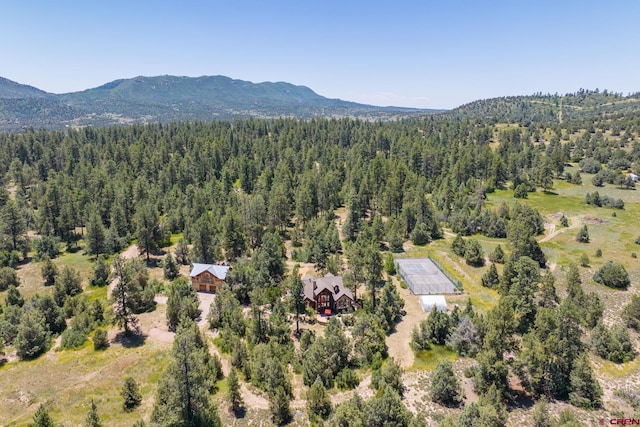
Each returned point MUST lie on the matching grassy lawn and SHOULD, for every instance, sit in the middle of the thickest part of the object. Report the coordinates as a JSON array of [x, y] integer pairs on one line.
[[428, 359]]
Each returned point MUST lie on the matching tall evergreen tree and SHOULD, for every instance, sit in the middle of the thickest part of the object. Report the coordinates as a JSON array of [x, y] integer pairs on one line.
[[92, 419], [147, 229], [183, 397], [123, 296], [585, 389], [12, 224], [95, 236], [235, 398], [296, 294]]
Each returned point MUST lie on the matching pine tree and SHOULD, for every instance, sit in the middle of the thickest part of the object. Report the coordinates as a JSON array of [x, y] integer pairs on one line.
[[585, 389], [445, 387], [473, 253], [123, 296], [583, 235], [541, 415], [497, 256], [388, 410], [100, 272], [95, 236], [184, 394], [182, 303], [92, 419], [458, 245], [490, 278], [235, 398], [49, 272], [32, 337], [130, 394], [318, 402], [279, 406], [182, 252], [171, 269], [42, 418], [12, 224], [296, 292], [147, 229]]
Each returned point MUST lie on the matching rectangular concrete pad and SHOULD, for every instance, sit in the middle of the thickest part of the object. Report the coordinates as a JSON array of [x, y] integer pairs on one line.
[[423, 277]]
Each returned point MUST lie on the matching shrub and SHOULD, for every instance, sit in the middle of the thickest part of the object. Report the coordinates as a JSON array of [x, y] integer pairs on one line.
[[9, 258], [420, 234], [520, 192], [613, 275], [590, 165], [473, 253], [458, 245], [347, 379], [100, 341], [597, 180], [47, 246], [8, 277], [631, 313], [584, 260], [73, 338]]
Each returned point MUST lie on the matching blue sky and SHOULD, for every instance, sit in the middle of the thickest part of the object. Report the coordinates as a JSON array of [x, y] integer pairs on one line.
[[408, 53]]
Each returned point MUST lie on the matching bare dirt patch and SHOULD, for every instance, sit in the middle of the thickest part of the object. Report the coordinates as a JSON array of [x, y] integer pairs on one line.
[[591, 220]]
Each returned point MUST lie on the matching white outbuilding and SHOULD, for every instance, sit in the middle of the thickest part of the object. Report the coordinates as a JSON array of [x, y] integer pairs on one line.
[[427, 302]]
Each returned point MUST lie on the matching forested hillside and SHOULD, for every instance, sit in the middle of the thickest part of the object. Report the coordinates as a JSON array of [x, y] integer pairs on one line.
[[544, 331], [582, 105]]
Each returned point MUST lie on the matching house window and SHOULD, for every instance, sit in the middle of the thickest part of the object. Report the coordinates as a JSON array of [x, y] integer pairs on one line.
[[324, 300]]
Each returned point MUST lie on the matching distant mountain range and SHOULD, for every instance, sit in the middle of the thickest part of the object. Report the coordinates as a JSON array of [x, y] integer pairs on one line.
[[172, 98]]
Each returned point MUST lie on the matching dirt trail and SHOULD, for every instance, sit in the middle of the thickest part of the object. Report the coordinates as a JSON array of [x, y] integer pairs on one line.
[[130, 253], [398, 341], [553, 232]]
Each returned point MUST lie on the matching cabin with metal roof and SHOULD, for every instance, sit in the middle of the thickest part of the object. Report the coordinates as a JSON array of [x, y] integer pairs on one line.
[[208, 277]]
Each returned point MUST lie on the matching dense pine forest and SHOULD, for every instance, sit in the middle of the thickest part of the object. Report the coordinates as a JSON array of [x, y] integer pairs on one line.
[[548, 304]]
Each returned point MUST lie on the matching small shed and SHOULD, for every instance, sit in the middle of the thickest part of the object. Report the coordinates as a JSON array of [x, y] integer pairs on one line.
[[427, 302]]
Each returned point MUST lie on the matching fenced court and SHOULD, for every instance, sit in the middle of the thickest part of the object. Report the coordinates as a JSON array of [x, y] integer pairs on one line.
[[423, 277]]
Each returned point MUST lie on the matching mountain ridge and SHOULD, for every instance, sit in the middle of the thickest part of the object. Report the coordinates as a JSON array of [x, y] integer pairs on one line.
[[143, 99]]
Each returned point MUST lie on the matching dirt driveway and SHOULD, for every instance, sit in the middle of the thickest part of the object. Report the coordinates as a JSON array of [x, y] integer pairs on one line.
[[398, 341]]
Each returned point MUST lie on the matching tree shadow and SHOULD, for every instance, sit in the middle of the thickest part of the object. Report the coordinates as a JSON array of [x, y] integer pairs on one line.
[[153, 262], [521, 400], [240, 413], [131, 339], [24, 261]]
